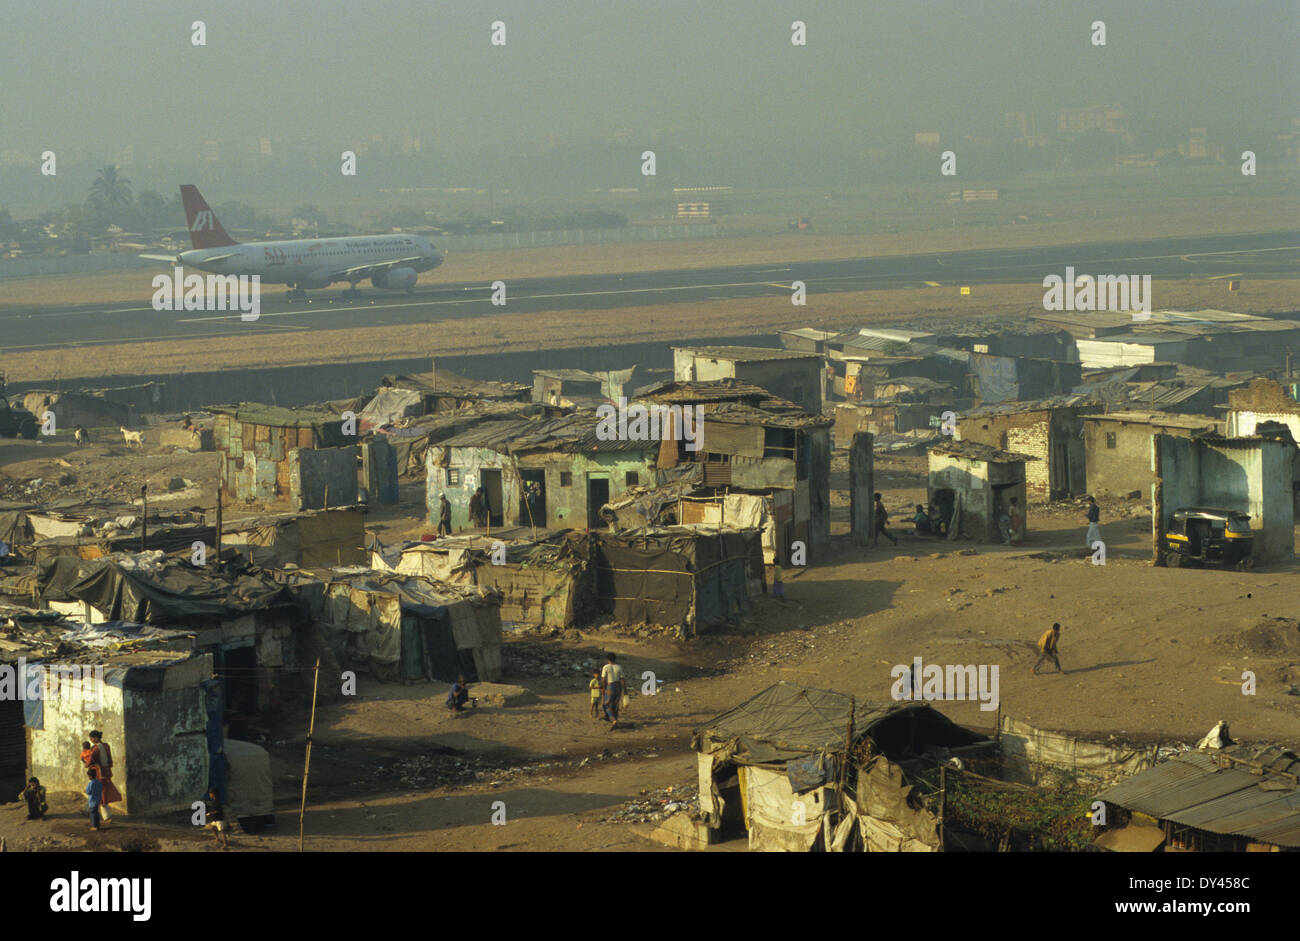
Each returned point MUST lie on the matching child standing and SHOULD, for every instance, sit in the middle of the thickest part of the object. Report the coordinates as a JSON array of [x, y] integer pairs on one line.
[[94, 792], [593, 684], [34, 794]]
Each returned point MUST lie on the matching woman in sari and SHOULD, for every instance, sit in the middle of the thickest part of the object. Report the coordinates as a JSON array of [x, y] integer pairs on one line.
[[101, 759]]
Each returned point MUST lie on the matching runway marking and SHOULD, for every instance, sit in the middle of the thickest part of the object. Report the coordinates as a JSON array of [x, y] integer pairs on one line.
[[1219, 277], [933, 284]]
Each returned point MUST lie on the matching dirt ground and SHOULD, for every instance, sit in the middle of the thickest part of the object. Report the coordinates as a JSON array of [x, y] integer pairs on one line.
[[1151, 654]]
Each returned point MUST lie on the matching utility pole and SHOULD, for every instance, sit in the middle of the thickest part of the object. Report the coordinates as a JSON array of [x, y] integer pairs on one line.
[[218, 537]]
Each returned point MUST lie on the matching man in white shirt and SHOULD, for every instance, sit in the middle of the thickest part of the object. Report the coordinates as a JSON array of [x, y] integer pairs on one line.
[[611, 678]]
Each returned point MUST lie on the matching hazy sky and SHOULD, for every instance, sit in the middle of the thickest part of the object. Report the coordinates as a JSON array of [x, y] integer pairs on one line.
[[712, 74]]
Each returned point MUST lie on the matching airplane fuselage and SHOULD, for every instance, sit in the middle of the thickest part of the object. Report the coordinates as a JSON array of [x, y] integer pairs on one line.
[[315, 262]]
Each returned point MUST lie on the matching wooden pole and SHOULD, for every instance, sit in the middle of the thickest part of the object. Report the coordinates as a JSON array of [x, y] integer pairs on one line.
[[848, 742], [144, 516], [218, 539], [306, 768], [943, 799]]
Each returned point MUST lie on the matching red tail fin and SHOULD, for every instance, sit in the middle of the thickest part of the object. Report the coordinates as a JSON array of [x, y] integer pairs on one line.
[[205, 229]]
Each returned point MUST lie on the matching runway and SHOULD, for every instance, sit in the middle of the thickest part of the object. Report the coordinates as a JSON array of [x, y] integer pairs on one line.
[[1269, 255]]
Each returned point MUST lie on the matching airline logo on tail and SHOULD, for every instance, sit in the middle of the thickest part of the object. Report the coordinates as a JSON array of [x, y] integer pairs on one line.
[[205, 229]]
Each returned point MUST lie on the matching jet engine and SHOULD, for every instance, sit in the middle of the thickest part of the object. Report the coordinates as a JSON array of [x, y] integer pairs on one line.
[[395, 279]]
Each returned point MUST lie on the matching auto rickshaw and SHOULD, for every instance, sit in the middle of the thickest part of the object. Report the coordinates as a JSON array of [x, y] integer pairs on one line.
[[1198, 535]]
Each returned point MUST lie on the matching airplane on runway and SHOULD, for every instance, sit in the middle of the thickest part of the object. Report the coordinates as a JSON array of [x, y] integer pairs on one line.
[[389, 261]]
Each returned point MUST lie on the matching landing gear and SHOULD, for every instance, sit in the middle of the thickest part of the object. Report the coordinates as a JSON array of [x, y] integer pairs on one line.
[[351, 292], [296, 293]]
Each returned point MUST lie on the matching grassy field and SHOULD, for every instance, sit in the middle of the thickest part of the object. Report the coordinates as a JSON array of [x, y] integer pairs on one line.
[[502, 333]]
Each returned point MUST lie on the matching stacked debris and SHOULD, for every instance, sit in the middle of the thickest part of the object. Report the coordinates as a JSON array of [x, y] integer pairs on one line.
[[658, 805]]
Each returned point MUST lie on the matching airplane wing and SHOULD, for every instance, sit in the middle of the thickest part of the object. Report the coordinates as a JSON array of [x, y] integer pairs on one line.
[[361, 272], [172, 258]]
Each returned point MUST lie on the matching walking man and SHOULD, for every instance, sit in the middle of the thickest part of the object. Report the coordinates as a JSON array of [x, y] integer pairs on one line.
[[444, 515], [1047, 648], [1094, 522], [882, 517], [612, 676], [214, 816]]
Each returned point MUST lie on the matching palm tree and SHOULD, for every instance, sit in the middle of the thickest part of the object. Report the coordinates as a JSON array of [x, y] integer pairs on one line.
[[110, 191]]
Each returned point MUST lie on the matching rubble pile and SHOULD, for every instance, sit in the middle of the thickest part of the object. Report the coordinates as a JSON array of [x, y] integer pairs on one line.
[[658, 805]]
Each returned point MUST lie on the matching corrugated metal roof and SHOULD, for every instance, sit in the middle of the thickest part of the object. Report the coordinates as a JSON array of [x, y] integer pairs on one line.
[[736, 413], [812, 333], [1160, 419], [745, 354], [975, 451], [1195, 789], [255, 413], [1070, 400]]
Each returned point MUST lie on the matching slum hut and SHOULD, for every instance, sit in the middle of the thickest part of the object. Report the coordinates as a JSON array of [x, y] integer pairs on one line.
[[442, 390], [1239, 799], [404, 628], [578, 387], [1264, 400], [1118, 446], [257, 635], [1007, 379], [544, 582], [540, 585], [692, 578], [1050, 430], [140, 686], [770, 513], [310, 539], [1251, 474], [885, 417], [796, 377], [979, 482], [292, 458], [756, 446], [569, 466], [78, 408], [798, 767]]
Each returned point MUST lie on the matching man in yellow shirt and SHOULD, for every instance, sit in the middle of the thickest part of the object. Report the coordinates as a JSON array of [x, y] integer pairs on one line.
[[1047, 647]]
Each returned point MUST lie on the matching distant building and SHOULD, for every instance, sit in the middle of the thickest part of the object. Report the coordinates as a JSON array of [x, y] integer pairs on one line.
[[1110, 119]]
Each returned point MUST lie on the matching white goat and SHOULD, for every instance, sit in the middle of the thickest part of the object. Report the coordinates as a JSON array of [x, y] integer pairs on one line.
[[133, 437]]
